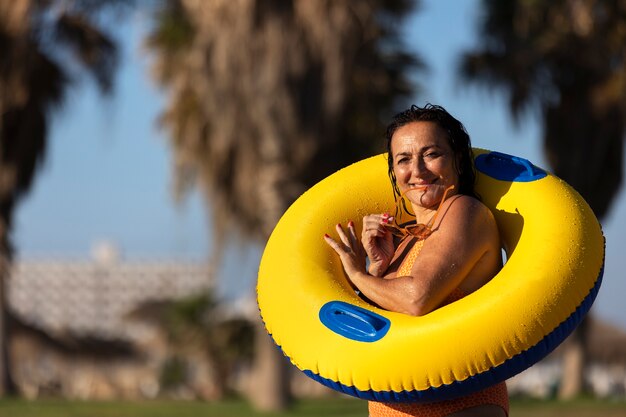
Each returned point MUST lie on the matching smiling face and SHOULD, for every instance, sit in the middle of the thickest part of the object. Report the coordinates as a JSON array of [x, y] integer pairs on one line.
[[423, 158]]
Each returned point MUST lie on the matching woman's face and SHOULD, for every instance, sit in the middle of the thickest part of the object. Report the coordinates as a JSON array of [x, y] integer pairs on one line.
[[422, 158]]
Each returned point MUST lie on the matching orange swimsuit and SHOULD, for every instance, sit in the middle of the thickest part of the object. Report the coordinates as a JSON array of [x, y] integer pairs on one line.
[[494, 395]]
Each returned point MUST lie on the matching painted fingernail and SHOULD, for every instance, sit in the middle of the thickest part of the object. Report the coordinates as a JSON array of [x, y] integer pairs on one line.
[[351, 223], [326, 235], [385, 215], [385, 220]]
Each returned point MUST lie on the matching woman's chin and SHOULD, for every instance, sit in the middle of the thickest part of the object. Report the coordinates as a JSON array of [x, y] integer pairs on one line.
[[432, 197]]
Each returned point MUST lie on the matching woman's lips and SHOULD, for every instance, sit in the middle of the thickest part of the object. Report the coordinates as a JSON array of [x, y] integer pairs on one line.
[[422, 185]]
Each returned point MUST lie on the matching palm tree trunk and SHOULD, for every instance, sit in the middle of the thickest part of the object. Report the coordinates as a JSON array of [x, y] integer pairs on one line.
[[575, 357], [269, 390], [6, 384], [3, 339]]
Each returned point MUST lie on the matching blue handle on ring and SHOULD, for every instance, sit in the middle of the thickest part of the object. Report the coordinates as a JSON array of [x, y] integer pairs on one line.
[[506, 167], [354, 322]]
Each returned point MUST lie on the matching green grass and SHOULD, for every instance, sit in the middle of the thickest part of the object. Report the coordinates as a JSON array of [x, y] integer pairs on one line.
[[331, 407], [230, 408], [582, 407]]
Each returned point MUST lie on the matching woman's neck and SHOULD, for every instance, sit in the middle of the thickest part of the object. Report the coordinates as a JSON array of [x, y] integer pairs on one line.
[[423, 214]]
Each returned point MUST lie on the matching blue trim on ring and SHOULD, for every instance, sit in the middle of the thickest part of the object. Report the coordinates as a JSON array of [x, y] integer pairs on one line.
[[506, 167], [509, 368]]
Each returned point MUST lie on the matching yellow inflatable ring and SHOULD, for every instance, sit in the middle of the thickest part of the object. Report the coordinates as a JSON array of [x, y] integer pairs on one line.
[[555, 257]]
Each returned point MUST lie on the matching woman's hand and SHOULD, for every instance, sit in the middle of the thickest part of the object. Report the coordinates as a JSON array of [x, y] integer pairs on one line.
[[377, 242], [349, 249]]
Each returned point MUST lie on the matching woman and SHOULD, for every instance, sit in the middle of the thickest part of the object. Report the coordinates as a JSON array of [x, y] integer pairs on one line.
[[451, 249]]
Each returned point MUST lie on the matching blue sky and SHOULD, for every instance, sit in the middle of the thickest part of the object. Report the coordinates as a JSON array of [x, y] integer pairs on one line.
[[107, 176]]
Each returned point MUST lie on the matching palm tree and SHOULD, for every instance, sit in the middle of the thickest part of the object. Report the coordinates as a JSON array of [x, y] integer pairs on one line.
[[44, 45], [267, 97], [567, 59], [202, 337]]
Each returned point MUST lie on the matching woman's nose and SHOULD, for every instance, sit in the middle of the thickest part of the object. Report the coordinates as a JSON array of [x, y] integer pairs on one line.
[[418, 167]]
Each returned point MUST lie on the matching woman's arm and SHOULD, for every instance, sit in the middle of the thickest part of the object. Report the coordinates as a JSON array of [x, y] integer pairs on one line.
[[464, 246], [464, 253]]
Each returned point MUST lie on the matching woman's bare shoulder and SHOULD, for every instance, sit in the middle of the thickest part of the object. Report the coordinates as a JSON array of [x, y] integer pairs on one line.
[[464, 210]]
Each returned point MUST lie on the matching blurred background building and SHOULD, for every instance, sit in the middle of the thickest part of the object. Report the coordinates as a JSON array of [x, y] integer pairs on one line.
[[74, 325]]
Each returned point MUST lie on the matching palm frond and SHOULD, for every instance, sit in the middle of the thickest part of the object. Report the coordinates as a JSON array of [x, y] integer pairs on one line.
[[567, 59], [269, 97], [95, 50]]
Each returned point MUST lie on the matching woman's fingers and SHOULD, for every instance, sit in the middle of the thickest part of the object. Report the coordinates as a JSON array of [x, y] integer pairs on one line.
[[332, 243], [354, 241], [342, 235], [374, 220], [374, 225], [348, 237], [352, 257], [342, 247]]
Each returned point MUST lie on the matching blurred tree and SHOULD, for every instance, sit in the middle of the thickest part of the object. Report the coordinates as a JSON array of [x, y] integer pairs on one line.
[[267, 97], [208, 346], [45, 45], [566, 58]]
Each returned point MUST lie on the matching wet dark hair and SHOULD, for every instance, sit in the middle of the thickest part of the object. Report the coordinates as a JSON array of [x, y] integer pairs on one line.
[[458, 139]]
